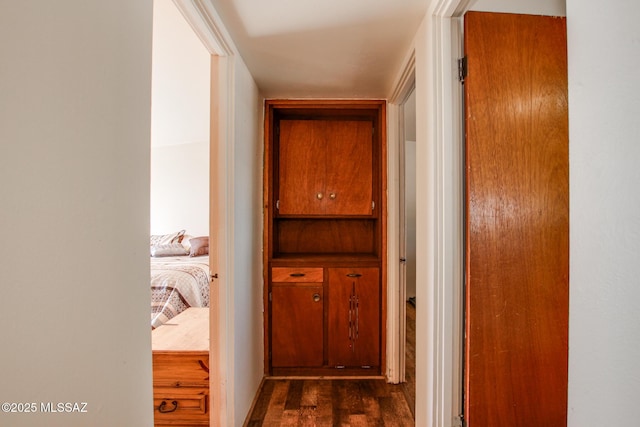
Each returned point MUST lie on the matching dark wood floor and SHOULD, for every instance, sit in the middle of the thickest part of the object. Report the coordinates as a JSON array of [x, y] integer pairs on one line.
[[339, 402], [330, 402]]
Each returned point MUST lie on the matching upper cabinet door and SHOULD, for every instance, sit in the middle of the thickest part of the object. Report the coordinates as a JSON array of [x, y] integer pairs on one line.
[[301, 154], [349, 168], [325, 167]]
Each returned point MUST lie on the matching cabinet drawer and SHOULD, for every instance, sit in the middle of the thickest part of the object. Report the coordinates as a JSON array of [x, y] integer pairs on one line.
[[297, 275], [181, 405], [180, 369]]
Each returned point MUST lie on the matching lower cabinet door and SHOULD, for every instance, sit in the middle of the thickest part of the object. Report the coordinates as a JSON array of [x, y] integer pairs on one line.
[[297, 338], [354, 317]]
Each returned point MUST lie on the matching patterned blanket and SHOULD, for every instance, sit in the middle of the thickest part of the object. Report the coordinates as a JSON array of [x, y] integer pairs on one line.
[[178, 283]]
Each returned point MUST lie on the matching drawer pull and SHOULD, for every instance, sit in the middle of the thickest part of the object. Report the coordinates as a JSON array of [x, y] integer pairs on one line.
[[297, 275], [354, 275], [162, 408]]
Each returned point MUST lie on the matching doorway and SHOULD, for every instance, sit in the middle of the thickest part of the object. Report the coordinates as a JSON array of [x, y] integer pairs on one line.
[[407, 219], [218, 104]]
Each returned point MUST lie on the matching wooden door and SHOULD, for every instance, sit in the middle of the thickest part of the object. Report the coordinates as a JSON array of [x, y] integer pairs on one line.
[[354, 317], [297, 338], [325, 167], [301, 159], [517, 221], [349, 167]]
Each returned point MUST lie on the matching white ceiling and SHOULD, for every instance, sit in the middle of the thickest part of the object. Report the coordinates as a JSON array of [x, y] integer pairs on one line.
[[323, 48]]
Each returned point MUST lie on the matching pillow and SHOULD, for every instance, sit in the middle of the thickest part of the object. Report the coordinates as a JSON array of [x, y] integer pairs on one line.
[[185, 241], [199, 246], [170, 249], [166, 239]]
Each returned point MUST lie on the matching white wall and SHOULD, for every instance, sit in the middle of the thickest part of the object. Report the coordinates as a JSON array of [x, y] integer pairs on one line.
[[180, 188], [179, 125], [604, 131], [247, 286], [74, 210], [534, 7]]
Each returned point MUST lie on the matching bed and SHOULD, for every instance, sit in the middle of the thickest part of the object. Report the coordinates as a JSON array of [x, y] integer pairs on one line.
[[179, 278]]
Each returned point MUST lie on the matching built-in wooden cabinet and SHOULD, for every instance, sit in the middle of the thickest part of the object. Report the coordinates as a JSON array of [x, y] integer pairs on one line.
[[324, 237]]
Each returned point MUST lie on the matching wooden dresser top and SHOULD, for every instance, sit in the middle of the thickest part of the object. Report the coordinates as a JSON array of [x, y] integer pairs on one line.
[[188, 331]]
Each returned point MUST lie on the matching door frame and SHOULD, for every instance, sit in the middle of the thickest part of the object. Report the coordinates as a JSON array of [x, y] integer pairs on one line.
[[439, 210], [396, 304], [208, 26]]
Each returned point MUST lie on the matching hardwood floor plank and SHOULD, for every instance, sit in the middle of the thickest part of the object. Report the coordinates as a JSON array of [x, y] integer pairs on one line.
[[294, 395], [372, 411], [324, 411], [262, 403], [275, 412]]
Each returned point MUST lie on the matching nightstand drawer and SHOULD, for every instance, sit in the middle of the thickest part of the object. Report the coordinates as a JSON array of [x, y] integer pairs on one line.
[[181, 405], [180, 369]]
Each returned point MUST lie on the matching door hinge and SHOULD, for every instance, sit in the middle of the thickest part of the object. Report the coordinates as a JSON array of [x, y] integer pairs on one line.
[[462, 69]]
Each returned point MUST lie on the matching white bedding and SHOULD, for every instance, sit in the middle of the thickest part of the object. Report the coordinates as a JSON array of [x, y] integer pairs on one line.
[[177, 283]]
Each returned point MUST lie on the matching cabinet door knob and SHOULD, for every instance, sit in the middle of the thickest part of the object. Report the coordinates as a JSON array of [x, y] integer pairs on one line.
[[332, 196], [319, 196], [316, 297]]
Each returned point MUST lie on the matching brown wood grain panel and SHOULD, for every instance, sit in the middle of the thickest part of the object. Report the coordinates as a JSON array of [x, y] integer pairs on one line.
[[302, 157], [349, 167], [297, 274], [185, 368], [325, 167], [354, 328], [517, 221], [326, 236], [191, 406], [297, 334]]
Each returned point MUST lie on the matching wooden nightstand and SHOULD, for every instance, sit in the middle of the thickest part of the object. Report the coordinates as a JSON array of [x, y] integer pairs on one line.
[[181, 370]]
